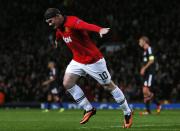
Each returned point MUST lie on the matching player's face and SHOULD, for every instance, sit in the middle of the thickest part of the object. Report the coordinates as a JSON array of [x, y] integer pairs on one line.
[[141, 42], [50, 65], [55, 22]]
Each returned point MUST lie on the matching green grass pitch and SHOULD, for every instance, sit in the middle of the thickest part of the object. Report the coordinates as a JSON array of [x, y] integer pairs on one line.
[[104, 120]]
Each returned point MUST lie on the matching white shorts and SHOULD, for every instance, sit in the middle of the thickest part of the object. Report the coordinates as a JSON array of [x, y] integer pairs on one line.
[[96, 70], [54, 91]]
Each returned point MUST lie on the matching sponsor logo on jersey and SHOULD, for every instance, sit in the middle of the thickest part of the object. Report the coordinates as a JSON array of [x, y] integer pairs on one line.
[[67, 40]]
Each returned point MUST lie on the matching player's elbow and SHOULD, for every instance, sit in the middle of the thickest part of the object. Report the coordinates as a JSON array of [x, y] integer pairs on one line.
[[151, 61]]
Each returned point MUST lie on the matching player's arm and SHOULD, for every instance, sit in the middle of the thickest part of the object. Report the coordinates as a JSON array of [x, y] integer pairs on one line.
[[57, 40], [50, 80], [149, 63], [55, 43], [82, 25], [146, 66], [47, 82]]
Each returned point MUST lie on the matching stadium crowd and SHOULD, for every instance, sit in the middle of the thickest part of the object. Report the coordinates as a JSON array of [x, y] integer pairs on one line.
[[25, 46]]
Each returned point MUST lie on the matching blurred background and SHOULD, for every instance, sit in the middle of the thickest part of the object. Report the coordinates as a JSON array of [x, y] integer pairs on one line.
[[25, 47]]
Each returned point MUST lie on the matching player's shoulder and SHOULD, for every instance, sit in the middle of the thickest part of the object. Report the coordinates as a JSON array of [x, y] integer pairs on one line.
[[71, 20], [150, 51], [72, 17]]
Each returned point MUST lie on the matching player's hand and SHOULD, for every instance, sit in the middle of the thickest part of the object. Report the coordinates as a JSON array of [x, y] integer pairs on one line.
[[44, 83], [142, 71], [55, 44], [103, 31]]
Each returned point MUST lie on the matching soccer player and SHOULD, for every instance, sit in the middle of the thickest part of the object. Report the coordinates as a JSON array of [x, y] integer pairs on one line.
[[147, 72], [53, 87], [87, 59]]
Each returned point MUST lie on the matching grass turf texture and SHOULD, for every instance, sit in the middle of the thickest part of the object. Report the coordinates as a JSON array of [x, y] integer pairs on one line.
[[105, 120]]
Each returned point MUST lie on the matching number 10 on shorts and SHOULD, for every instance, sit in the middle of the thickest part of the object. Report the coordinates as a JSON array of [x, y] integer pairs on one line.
[[103, 75]]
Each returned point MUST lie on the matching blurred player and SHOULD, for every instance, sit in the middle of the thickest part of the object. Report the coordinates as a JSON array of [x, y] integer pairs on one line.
[[147, 71], [87, 59], [53, 87]]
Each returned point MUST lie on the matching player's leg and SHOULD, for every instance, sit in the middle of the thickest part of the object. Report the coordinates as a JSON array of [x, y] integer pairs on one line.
[[49, 101], [155, 98], [58, 101], [120, 98], [100, 73], [147, 99], [158, 104], [72, 74], [147, 94], [78, 95], [56, 98]]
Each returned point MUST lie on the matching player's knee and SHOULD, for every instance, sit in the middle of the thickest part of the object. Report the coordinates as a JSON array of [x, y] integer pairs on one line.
[[106, 86], [49, 98], [145, 89], [109, 86], [56, 98], [67, 84]]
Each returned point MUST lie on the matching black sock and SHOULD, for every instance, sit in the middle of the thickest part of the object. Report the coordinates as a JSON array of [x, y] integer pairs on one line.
[[49, 105], [156, 101], [61, 105], [147, 104]]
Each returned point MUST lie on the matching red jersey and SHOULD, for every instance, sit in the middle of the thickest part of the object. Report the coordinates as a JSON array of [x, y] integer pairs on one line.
[[75, 35]]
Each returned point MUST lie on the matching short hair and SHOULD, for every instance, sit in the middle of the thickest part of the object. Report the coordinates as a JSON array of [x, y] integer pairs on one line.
[[51, 12], [145, 38], [51, 62]]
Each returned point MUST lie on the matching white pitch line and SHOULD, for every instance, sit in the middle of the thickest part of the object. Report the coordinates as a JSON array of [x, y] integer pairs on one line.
[[102, 128], [136, 127], [166, 125]]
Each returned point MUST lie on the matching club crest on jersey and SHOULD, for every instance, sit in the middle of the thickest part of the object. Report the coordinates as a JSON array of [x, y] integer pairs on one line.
[[67, 39]]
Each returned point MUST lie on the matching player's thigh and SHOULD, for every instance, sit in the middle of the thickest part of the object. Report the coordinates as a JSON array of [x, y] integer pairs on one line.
[[56, 97], [148, 82], [148, 79], [75, 68], [72, 74], [49, 97], [70, 80], [146, 90], [99, 72]]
